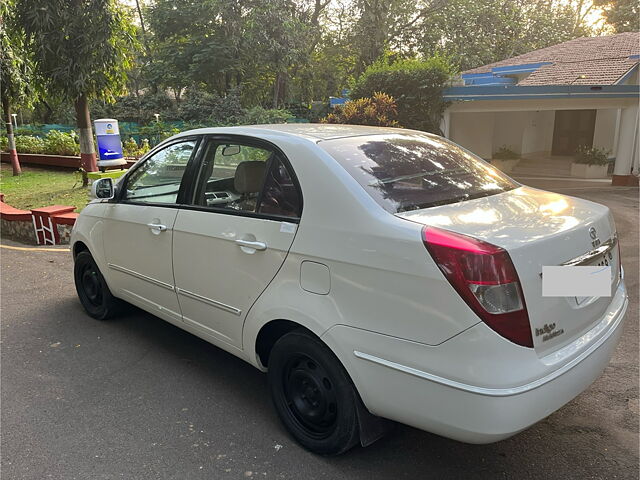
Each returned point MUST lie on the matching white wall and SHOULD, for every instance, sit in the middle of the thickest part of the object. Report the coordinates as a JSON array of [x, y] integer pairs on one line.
[[474, 131], [604, 135], [538, 132], [508, 130], [525, 132]]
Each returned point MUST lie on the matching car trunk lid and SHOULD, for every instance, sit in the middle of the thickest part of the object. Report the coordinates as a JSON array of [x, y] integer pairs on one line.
[[537, 229]]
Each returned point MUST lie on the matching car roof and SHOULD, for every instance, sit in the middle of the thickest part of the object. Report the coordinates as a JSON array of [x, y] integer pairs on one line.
[[312, 131]]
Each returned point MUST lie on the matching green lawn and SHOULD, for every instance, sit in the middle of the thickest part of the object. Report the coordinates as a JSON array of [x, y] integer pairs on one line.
[[41, 187]]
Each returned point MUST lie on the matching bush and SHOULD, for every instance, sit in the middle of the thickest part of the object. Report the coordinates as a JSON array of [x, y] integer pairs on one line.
[[591, 155], [416, 86], [60, 143], [29, 144], [200, 106], [380, 111], [505, 153], [259, 115], [4, 144], [131, 149]]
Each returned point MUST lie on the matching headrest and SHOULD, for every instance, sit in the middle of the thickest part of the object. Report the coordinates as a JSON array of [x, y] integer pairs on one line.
[[249, 176]]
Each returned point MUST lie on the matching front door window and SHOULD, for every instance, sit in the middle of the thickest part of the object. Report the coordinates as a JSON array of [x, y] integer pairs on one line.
[[158, 179]]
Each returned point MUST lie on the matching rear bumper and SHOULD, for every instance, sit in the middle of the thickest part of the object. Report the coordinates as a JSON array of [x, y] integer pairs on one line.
[[476, 387]]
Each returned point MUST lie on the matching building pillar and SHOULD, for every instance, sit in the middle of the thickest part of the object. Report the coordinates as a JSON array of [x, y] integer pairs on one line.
[[627, 150], [445, 123]]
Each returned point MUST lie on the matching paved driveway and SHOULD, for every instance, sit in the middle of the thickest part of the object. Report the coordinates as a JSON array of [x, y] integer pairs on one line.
[[137, 398]]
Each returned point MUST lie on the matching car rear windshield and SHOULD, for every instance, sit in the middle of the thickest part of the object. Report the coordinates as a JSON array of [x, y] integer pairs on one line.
[[411, 171]]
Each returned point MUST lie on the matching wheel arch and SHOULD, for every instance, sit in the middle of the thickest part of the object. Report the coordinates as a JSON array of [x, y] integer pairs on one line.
[[79, 246], [269, 334]]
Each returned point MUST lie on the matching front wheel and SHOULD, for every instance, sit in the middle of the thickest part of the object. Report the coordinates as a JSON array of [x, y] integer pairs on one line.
[[94, 294], [313, 394]]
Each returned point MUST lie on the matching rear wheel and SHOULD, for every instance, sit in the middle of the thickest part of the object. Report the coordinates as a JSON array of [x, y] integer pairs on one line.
[[313, 394], [94, 294]]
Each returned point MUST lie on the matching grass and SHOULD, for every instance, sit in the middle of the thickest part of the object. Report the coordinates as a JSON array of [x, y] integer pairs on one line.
[[41, 187]]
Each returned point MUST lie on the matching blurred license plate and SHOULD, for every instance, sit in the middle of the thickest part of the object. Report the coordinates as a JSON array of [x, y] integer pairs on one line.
[[605, 260]]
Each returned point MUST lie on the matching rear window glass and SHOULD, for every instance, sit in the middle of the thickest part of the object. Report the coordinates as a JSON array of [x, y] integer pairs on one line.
[[408, 172]]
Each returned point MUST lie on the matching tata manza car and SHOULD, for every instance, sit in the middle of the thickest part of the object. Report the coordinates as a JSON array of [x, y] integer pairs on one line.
[[375, 274]]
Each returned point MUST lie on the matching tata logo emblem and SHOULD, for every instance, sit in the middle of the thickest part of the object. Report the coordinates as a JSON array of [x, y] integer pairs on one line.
[[595, 241]]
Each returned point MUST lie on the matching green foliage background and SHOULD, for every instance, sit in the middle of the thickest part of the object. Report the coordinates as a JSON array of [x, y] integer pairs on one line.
[[415, 85]]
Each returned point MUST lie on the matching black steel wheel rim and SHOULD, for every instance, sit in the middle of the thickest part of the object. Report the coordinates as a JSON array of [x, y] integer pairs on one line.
[[91, 286], [310, 396]]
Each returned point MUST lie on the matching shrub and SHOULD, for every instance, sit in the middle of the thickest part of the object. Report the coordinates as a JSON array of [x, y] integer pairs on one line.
[[130, 147], [158, 131], [380, 111], [416, 86], [505, 153], [4, 144], [201, 106], [29, 144], [60, 143], [259, 115], [591, 155]]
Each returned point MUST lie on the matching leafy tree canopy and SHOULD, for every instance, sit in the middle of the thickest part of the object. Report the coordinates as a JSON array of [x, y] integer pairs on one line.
[[80, 47], [416, 86]]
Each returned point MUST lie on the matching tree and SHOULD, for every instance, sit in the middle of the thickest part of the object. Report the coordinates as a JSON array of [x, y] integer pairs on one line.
[[16, 74], [622, 15], [278, 40], [82, 49], [477, 32], [416, 86]]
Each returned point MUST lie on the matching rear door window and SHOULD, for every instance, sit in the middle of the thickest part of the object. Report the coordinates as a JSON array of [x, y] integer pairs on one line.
[[403, 172]]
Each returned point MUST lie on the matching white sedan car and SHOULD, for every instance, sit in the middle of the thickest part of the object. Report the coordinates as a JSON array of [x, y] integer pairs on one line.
[[373, 273]]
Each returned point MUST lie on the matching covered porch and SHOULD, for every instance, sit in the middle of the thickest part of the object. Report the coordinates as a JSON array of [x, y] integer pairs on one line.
[[545, 132]]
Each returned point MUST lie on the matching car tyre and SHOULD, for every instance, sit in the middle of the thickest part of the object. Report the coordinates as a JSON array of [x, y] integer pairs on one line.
[[313, 394], [94, 294]]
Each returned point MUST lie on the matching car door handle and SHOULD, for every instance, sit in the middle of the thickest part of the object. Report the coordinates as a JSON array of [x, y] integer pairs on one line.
[[250, 244], [157, 226]]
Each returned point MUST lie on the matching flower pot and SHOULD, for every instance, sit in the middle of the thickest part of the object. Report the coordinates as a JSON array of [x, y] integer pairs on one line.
[[584, 170], [505, 165]]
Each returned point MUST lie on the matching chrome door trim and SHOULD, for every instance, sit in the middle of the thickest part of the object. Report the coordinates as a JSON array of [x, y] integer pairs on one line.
[[208, 301], [141, 276], [593, 254]]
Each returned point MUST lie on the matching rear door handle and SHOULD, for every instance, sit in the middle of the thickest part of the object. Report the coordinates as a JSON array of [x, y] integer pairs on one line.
[[250, 244], [157, 226]]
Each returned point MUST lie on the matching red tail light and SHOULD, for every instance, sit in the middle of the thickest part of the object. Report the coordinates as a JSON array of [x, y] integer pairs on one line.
[[484, 276]]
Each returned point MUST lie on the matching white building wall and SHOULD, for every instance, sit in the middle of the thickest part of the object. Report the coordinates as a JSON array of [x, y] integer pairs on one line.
[[509, 129], [604, 135], [538, 132], [474, 131]]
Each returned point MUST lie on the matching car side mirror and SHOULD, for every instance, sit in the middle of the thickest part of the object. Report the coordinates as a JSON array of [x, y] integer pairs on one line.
[[102, 188]]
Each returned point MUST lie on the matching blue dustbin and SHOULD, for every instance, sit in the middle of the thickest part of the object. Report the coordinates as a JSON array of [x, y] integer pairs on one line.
[[109, 143]]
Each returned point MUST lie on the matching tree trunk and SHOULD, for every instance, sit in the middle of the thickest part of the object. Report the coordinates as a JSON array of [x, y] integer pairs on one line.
[[13, 153], [276, 90], [87, 149]]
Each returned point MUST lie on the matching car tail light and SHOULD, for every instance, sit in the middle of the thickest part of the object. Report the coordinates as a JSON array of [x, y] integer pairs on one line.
[[484, 276]]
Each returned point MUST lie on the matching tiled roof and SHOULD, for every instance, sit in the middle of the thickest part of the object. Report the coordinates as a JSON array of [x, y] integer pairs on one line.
[[583, 61]]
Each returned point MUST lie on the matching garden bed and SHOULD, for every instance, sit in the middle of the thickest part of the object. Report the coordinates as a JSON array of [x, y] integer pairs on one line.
[[40, 187], [61, 161]]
